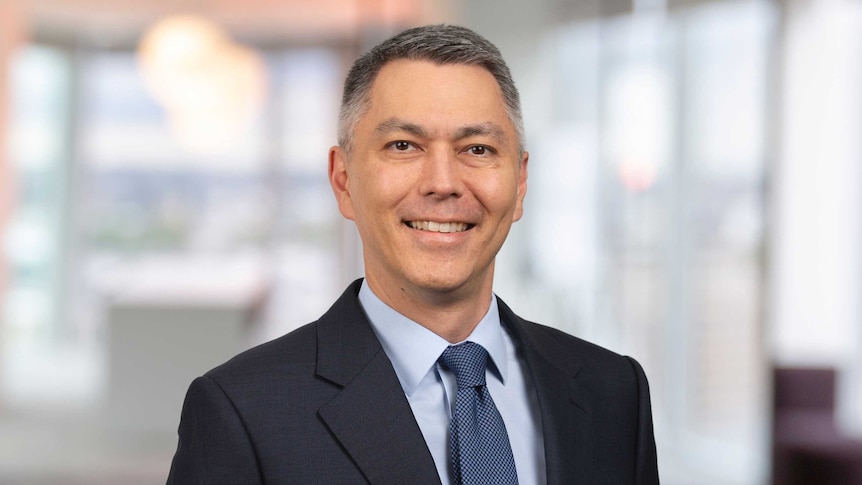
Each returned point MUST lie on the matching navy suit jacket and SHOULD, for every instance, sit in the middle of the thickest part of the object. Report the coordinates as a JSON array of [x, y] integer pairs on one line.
[[323, 405]]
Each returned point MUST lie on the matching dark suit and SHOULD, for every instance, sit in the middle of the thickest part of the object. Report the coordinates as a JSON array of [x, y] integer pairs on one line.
[[323, 405]]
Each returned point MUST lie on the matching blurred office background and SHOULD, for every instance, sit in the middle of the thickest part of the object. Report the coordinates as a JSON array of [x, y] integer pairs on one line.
[[693, 201]]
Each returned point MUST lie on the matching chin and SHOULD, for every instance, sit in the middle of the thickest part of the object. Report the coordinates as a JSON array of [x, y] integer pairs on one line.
[[443, 282]]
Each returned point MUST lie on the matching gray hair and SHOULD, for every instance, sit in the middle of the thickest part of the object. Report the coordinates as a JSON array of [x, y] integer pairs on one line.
[[441, 44]]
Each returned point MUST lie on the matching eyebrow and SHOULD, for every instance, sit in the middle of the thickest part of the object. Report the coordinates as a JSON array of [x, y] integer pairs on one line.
[[480, 129], [397, 124]]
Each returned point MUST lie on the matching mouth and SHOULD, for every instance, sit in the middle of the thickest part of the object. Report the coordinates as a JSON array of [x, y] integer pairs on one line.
[[433, 226]]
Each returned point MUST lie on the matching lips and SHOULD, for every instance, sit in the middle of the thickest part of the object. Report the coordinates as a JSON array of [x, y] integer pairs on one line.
[[433, 226]]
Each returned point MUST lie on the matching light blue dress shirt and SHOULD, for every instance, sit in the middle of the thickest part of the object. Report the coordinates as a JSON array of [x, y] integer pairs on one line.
[[431, 389]]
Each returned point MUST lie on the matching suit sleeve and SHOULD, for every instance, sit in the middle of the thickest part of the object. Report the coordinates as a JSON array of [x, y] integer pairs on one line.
[[646, 469], [214, 446]]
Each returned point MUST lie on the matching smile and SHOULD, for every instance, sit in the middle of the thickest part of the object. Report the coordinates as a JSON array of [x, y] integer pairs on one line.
[[439, 226]]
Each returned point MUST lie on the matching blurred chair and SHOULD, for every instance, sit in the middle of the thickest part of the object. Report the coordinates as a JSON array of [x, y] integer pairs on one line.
[[807, 446]]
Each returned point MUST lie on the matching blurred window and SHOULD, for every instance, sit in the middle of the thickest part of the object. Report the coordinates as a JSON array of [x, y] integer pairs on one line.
[[144, 192], [313, 238], [34, 311], [111, 202], [654, 181]]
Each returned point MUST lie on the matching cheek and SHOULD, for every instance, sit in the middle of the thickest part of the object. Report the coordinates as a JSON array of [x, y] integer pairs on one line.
[[499, 196], [371, 203]]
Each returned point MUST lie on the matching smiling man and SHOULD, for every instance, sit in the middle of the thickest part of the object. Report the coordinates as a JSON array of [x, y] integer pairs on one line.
[[418, 373], [433, 174]]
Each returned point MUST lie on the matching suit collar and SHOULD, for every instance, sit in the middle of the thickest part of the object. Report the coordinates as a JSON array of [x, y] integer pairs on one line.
[[414, 349], [370, 416], [345, 341], [372, 419], [565, 405], [532, 337]]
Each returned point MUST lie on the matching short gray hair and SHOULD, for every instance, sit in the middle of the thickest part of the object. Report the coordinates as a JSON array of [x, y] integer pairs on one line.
[[440, 44]]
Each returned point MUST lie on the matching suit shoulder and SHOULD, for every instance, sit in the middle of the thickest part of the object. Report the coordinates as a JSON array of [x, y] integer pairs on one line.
[[563, 348], [569, 342], [292, 359], [570, 352], [295, 349]]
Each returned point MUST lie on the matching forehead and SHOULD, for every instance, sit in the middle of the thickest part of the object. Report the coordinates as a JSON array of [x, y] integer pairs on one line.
[[435, 93]]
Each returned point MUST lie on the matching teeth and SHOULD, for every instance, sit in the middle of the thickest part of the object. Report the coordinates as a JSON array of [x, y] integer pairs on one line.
[[438, 226]]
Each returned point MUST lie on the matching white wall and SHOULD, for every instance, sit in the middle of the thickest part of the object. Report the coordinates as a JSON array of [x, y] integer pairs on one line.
[[815, 261]]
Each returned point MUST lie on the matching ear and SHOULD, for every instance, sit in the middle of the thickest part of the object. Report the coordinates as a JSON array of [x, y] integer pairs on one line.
[[522, 187], [340, 182]]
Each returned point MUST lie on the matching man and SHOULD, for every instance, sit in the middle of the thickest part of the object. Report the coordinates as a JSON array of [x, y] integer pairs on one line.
[[432, 169]]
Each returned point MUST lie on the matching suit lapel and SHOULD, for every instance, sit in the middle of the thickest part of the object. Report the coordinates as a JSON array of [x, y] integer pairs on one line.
[[370, 417], [565, 408], [373, 421]]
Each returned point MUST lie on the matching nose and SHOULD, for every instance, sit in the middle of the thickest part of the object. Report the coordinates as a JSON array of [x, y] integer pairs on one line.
[[441, 175]]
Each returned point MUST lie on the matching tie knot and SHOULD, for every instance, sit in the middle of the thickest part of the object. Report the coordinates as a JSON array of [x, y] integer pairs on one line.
[[467, 361]]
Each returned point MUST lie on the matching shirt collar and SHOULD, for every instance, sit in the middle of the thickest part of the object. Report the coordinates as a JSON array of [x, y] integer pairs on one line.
[[414, 350]]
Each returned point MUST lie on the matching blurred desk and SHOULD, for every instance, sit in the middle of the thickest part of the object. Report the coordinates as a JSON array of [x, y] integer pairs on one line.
[[172, 325]]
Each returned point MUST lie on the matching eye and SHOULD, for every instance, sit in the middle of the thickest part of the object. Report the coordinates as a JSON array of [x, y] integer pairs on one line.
[[479, 150], [401, 145]]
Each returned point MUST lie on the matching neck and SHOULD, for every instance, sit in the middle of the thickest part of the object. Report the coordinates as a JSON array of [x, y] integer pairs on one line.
[[451, 314]]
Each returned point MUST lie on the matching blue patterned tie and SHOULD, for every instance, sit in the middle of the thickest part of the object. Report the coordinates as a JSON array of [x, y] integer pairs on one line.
[[481, 453]]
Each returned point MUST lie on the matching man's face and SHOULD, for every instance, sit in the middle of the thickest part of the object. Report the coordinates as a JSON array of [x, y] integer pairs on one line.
[[433, 180]]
